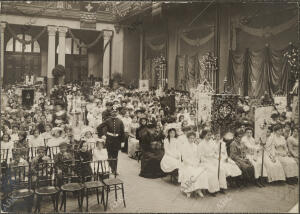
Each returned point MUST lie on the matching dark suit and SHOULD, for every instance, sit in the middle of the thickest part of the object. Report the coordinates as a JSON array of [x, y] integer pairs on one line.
[[113, 128], [105, 115]]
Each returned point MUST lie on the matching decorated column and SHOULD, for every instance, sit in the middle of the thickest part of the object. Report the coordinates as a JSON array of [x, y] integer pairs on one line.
[[2, 28], [51, 56], [106, 56], [62, 45]]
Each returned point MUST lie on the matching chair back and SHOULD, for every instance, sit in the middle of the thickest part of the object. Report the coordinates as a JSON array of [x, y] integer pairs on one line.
[[33, 152], [52, 151], [70, 172], [100, 170], [4, 155], [20, 177], [44, 174], [20, 152]]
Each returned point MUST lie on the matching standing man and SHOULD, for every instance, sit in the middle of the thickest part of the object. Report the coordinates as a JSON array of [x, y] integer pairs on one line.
[[114, 135]]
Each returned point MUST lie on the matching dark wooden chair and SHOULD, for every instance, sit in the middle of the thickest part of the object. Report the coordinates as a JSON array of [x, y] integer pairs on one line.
[[20, 184], [45, 184], [21, 152], [93, 182], [71, 182], [111, 182], [4, 155], [33, 152]]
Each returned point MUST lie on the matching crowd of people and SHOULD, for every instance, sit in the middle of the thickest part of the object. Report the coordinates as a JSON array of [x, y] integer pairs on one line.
[[94, 124]]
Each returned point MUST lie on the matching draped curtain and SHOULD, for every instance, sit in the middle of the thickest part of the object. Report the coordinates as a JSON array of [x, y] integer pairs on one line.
[[254, 72]]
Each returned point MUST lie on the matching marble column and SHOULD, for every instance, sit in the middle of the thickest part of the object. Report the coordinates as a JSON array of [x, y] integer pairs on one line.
[[51, 56], [106, 57], [141, 53], [2, 29]]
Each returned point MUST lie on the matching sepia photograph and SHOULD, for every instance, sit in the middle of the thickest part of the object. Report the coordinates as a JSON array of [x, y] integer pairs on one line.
[[149, 106]]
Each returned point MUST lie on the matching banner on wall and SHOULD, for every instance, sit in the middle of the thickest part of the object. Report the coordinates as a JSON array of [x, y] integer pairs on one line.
[[262, 118], [144, 85], [204, 107], [88, 14], [224, 111]]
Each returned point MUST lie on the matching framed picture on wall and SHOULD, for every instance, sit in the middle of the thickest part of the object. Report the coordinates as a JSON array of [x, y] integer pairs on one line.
[[144, 85]]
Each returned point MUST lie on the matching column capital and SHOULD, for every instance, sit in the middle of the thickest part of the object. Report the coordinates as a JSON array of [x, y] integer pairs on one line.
[[51, 30], [107, 34], [62, 30]]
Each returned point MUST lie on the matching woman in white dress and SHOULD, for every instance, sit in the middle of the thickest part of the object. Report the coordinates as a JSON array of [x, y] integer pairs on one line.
[[172, 157], [47, 134], [208, 154], [192, 173], [254, 155], [288, 163], [271, 161]]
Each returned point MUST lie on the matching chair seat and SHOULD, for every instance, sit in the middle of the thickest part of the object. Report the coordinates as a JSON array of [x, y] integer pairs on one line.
[[112, 181], [22, 193], [93, 184], [48, 190], [71, 187]]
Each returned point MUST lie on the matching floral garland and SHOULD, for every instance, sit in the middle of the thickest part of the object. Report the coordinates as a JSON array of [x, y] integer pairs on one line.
[[26, 42], [84, 45], [292, 58]]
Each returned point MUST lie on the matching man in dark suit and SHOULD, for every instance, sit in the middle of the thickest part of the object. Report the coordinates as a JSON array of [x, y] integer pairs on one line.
[[114, 135]]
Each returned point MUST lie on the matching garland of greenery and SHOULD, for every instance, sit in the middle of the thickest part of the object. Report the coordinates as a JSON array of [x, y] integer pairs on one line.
[[84, 45], [25, 42]]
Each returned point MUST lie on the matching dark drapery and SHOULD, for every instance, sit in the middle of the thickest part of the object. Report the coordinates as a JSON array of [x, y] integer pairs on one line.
[[254, 72]]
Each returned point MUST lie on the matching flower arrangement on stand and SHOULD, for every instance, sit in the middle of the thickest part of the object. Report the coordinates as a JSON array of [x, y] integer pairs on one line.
[[208, 66], [160, 70]]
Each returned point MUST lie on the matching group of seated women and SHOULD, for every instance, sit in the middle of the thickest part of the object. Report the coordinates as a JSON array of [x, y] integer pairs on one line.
[[207, 163]]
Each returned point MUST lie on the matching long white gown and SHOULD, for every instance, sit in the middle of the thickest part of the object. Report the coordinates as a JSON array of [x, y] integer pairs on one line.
[[254, 154], [209, 157], [230, 167], [191, 174], [289, 165], [172, 156], [273, 166]]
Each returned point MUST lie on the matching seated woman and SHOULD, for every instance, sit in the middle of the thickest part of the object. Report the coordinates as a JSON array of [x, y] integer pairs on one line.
[[151, 153], [209, 157], [172, 157], [293, 145], [254, 155], [238, 155], [281, 151], [271, 162], [192, 173], [133, 143]]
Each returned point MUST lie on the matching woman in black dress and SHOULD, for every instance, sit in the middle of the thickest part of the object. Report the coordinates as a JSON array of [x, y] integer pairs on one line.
[[152, 152]]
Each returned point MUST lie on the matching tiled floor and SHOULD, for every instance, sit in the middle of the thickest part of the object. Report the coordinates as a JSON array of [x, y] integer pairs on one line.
[[159, 195]]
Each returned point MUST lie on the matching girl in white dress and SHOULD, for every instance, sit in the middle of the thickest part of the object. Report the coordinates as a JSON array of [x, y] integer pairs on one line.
[[281, 151], [6, 143], [192, 173], [172, 157], [100, 154], [209, 157], [254, 155], [87, 135], [56, 139]]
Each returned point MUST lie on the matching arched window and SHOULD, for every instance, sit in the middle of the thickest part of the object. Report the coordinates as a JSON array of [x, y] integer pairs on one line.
[[14, 45], [72, 48]]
